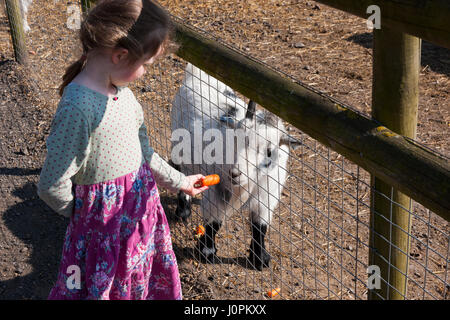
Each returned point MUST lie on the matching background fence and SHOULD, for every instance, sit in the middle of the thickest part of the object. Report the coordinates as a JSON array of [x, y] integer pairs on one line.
[[320, 237]]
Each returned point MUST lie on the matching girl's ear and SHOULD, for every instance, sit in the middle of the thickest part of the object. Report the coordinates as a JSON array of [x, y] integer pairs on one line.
[[118, 55]]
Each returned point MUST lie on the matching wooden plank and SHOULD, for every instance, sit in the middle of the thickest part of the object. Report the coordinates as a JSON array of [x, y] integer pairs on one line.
[[396, 160], [395, 100], [424, 19]]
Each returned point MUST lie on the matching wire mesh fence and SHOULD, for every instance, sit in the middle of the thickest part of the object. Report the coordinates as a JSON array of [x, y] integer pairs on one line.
[[319, 234]]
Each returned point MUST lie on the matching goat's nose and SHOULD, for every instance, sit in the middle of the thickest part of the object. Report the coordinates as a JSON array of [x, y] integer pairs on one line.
[[235, 173]]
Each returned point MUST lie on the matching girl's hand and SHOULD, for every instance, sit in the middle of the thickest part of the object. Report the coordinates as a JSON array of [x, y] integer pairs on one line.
[[190, 189]]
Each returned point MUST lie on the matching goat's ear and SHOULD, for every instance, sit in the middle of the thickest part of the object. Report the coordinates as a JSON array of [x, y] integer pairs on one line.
[[251, 110], [289, 141], [229, 117], [228, 120]]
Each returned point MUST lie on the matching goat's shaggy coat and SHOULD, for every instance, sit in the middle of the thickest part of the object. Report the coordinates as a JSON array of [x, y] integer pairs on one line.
[[257, 172]]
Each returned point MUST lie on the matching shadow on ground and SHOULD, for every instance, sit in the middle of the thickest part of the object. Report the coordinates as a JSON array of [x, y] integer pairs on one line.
[[42, 232], [435, 57]]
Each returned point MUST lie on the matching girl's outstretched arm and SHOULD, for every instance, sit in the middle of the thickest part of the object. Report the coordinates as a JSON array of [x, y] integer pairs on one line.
[[166, 176]]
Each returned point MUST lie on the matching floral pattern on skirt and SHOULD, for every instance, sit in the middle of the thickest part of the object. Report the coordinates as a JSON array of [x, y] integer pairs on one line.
[[119, 240]]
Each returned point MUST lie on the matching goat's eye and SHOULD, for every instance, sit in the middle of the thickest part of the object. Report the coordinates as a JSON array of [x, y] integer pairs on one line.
[[269, 153]]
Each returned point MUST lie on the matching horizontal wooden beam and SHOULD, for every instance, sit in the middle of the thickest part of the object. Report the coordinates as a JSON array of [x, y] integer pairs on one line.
[[426, 19], [398, 161]]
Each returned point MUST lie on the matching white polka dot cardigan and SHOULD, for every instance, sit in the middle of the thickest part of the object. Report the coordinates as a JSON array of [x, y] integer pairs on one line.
[[93, 139]]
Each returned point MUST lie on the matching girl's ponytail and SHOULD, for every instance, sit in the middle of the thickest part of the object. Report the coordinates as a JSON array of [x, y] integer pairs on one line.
[[71, 72]]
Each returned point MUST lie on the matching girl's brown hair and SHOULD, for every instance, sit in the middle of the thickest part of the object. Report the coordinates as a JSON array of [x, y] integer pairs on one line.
[[140, 26]]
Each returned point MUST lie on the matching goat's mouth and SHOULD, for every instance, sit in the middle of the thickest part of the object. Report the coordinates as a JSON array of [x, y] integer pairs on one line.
[[235, 175], [239, 182]]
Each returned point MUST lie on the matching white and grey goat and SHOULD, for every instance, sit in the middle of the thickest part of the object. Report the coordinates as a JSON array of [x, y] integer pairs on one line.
[[252, 173], [24, 5]]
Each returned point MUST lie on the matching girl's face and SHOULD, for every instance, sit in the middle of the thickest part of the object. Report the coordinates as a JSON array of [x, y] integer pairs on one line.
[[125, 73]]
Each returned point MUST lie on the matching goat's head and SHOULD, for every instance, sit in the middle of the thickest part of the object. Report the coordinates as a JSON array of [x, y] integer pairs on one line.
[[264, 147]]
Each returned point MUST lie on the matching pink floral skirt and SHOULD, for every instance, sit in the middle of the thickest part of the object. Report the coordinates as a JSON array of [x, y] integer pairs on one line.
[[117, 244]]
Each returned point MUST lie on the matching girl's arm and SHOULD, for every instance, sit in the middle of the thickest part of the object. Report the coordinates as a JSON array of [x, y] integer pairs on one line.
[[165, 175], [67, 148]]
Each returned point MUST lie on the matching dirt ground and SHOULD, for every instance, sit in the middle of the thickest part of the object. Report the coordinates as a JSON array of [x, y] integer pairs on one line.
[[318, 240]]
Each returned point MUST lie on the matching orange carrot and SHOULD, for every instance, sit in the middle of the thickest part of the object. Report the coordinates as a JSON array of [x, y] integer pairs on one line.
[[199, 231], [273, 293], [209, 180]]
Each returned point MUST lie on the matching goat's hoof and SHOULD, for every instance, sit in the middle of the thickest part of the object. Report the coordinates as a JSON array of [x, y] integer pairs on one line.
[[206, 254], [210, 258], [259, 261]]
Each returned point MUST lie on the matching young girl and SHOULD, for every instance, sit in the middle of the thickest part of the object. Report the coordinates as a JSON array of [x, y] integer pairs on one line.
[[100, 169]]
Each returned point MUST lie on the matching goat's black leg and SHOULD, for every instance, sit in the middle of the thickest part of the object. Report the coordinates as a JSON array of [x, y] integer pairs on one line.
[[184, 201], [259, 257], [183, 209], [206, 243]]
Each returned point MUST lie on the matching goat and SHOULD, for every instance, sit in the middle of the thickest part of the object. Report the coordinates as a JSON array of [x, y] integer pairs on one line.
[[24, 5], [255, 173]]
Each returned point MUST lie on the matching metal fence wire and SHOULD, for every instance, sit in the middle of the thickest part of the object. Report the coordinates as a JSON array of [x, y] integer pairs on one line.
[[319, 234], [318, 238]]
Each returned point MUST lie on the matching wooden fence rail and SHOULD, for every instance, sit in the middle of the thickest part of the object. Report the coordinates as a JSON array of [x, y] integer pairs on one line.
[[393, 158], [395, 96], [425, 19]]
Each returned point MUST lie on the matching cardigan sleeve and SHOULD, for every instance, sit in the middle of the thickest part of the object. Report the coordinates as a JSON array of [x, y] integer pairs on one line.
[[166, 176], [67, 149]]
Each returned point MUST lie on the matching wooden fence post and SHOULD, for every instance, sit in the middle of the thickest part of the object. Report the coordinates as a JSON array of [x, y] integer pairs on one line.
[[396, 63], [17, 31], [85, 6]]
